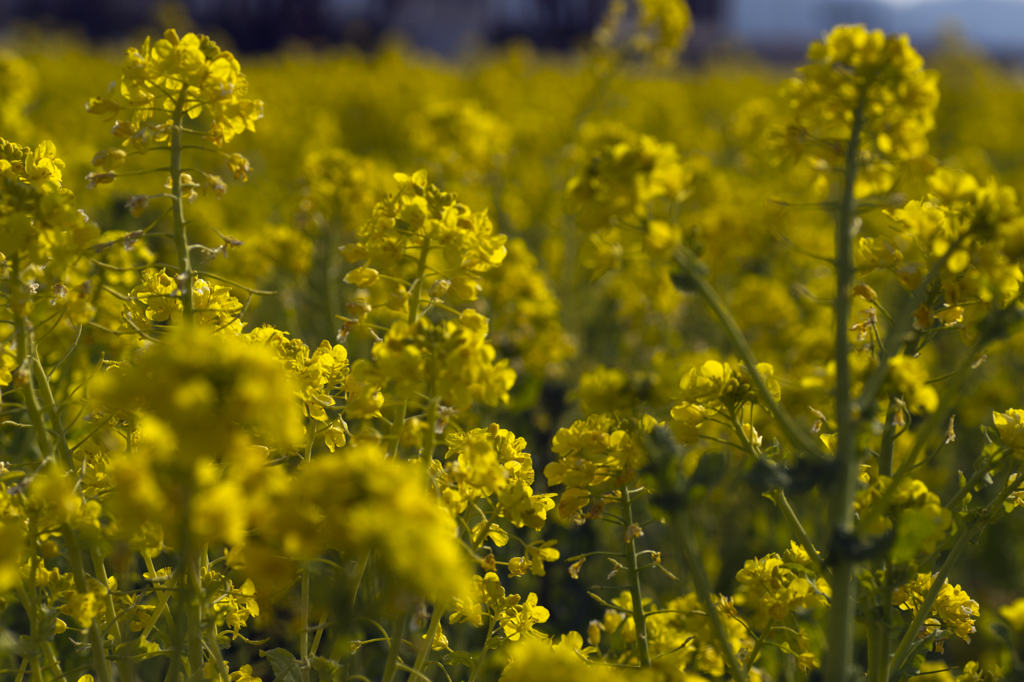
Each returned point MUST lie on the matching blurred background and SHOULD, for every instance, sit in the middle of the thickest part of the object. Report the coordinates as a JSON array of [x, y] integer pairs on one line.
[[778, 29], [506, 129]]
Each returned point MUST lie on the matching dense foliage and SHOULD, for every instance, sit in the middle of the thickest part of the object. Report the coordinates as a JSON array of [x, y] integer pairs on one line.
[[534, 367]]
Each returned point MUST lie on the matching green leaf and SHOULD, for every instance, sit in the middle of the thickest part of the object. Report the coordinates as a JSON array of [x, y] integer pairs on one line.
[[328, 670], [286, 667], [459, 658]]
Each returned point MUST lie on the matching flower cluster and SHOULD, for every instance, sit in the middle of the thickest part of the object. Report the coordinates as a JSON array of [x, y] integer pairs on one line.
[[862, 78], [774, 588], [595, 456], [953, 612], [188, 74]]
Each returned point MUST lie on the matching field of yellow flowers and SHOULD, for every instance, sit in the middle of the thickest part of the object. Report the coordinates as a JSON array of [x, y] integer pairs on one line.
[[334, 366]]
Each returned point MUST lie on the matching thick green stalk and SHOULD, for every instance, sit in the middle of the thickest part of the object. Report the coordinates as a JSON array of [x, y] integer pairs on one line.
[[185, 272], [194, 616], [639, 618], [873, 645], [844, 600]]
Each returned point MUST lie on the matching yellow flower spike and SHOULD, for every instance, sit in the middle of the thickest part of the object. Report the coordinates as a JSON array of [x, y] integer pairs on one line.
[[38, 218], [776, 591], [851, 68], [190, 66]]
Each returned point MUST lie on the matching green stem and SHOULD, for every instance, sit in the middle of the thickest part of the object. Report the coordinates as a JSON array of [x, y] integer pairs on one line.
[[779, 496], [52, 664], [885, 628], [980, 473], [899, 658], [32, 611], [923, 436], [639, 618], [417, 289], [797, 436], [214, 646], [161, 604], [478, 663], [50, 405], [691, 556], [894, 339], [431, 440], [185, 272], [194, 616], [872, 643], [319, 635], [363, 561], [82, 586], [310, 440], [841, 616], [423, 655], [124, 666], [398, 423], [888, 440], [304, 625], [21, 338], [757, 647], [391, 665]]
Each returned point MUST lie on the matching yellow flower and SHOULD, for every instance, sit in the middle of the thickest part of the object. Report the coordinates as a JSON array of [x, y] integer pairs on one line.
[[1010, 425]]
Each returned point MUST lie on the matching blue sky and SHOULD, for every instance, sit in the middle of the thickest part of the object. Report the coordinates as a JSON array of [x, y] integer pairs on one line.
[[923, 2]]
